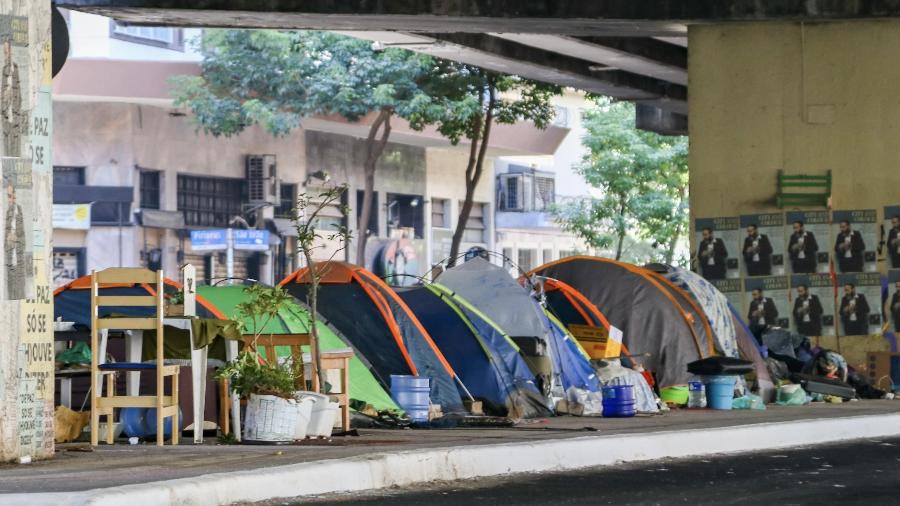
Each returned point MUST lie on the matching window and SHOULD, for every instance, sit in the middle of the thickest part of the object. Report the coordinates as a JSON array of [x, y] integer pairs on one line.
[[288, 201], [525, 189], [544, 193], [475, 225], [68, 176], [332, 217], [526, 259], [150, 190], [565, 253], [210, 201], [68, 265], [111, 213], [547, 255], [440, 213], [372, 228], [159, 36], [507, 255], [405, 212]]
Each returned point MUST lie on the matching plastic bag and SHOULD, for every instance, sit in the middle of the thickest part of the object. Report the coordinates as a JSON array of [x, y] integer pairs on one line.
[[791, 395], [79, 353], [591, 403], [749, 401]]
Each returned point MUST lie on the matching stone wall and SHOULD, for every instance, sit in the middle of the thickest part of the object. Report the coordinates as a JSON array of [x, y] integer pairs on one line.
[[26, 311]]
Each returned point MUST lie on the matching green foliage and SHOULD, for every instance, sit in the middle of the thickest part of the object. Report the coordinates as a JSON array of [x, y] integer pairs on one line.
[[642, 178], [458, 100], [275, 78], [249, 375], [263, 304], [308, 209]]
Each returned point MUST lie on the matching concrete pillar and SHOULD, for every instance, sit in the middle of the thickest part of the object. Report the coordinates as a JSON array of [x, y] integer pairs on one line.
[[26, 313], [800, 97]]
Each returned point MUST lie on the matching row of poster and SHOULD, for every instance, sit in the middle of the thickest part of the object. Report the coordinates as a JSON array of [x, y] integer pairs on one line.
[[806, 303], [796, 242]]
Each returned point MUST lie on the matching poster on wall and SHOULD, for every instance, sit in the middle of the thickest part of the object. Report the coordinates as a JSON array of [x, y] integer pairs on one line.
[[812, 311], [892, 307], [732, 289], [892, 233], [762, 245], [855, 234], [766, 302], [16, 201], [809, 240], [717, 256], [859, 311]]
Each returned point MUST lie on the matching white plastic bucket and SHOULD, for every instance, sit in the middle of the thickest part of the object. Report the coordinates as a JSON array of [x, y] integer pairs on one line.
[[271, 418], [305, 414], [324, 414]]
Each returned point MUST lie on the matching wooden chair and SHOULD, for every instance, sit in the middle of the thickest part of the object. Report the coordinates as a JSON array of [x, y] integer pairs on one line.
[[330, 360], [166, 405]]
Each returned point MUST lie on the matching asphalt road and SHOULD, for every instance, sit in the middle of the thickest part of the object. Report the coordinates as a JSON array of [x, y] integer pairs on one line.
[[863, 472]]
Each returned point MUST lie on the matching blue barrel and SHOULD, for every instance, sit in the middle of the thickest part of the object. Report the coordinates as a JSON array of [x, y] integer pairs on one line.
[[150, 423], [412, 394], [719, 391], [134, 421], [618, 401]]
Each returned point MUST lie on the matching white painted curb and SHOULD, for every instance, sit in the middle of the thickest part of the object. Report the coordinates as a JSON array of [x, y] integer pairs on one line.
[[455, 463]]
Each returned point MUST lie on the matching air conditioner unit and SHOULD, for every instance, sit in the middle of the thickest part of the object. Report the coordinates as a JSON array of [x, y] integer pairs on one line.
[[263, 185]]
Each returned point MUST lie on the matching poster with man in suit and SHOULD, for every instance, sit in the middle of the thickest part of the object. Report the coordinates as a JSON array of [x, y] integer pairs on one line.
[[763, 245], [808, 235], [855, 237], [808, 311], [766, 303], [893, 301], [813, 304], [18, 223], [859, 304], [715, 255], [892, 242]]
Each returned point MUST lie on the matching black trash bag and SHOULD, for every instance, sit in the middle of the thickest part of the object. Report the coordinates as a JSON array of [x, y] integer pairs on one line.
[[720, 366]]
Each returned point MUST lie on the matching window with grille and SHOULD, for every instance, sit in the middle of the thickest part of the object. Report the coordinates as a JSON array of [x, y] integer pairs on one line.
[[440, 209], [331, 217], [210, 201], [159, 36], [547, 255], [68, 176], [287, 203], [525, 259], [475, 225], [150, 189], [544, 194]]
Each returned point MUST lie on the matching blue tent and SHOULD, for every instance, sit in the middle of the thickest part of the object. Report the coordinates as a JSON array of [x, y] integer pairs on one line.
[[485, 358], [495, 293]]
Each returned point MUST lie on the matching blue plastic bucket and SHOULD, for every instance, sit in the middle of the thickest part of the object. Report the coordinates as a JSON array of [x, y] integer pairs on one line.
[[134, 421], [720, 391], [618, 401], [412, 394]]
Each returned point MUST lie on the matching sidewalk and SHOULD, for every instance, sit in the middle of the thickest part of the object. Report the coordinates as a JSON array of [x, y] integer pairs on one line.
[[211, 474]]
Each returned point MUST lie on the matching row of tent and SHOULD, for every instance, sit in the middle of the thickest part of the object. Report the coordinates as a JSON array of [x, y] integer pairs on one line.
[[478, 333]]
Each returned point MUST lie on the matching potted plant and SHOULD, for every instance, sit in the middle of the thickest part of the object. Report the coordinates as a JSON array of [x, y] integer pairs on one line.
[[175, 306], [268, 386]]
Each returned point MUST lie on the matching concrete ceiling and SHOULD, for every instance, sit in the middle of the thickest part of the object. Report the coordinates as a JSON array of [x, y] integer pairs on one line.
[[632, 50]]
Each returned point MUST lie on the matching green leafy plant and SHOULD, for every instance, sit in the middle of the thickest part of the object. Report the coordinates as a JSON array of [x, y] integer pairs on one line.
[[249, 373], [177, 298]]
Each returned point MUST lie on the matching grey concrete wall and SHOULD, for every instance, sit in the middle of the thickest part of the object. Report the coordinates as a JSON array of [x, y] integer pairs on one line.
[[26, 312]]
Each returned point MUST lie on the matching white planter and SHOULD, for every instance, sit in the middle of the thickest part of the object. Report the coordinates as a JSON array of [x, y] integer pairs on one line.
[[305, 403], [324, 413], [271, 418]]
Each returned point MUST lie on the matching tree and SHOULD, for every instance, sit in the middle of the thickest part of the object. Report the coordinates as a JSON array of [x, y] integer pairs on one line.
[[274, 79], [643, 181], [466, 102], [308, 212]]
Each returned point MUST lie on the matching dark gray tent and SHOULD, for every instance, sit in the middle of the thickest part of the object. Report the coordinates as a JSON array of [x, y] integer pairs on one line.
[[656, 316]]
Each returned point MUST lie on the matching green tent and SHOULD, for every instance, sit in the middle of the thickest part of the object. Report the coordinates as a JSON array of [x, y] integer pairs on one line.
[[293, 320]]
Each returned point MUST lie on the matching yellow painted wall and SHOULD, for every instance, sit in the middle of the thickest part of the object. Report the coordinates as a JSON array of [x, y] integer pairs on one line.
[[800, 97]]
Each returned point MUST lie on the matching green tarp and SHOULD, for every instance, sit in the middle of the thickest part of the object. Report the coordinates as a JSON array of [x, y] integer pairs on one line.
[[292, 320]]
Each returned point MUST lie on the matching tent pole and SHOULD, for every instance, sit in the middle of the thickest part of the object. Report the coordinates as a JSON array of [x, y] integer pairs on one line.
[[468, 394]]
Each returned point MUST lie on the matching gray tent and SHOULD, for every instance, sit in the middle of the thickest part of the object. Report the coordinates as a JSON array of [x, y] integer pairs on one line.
[[656, 316], [552, 354]]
